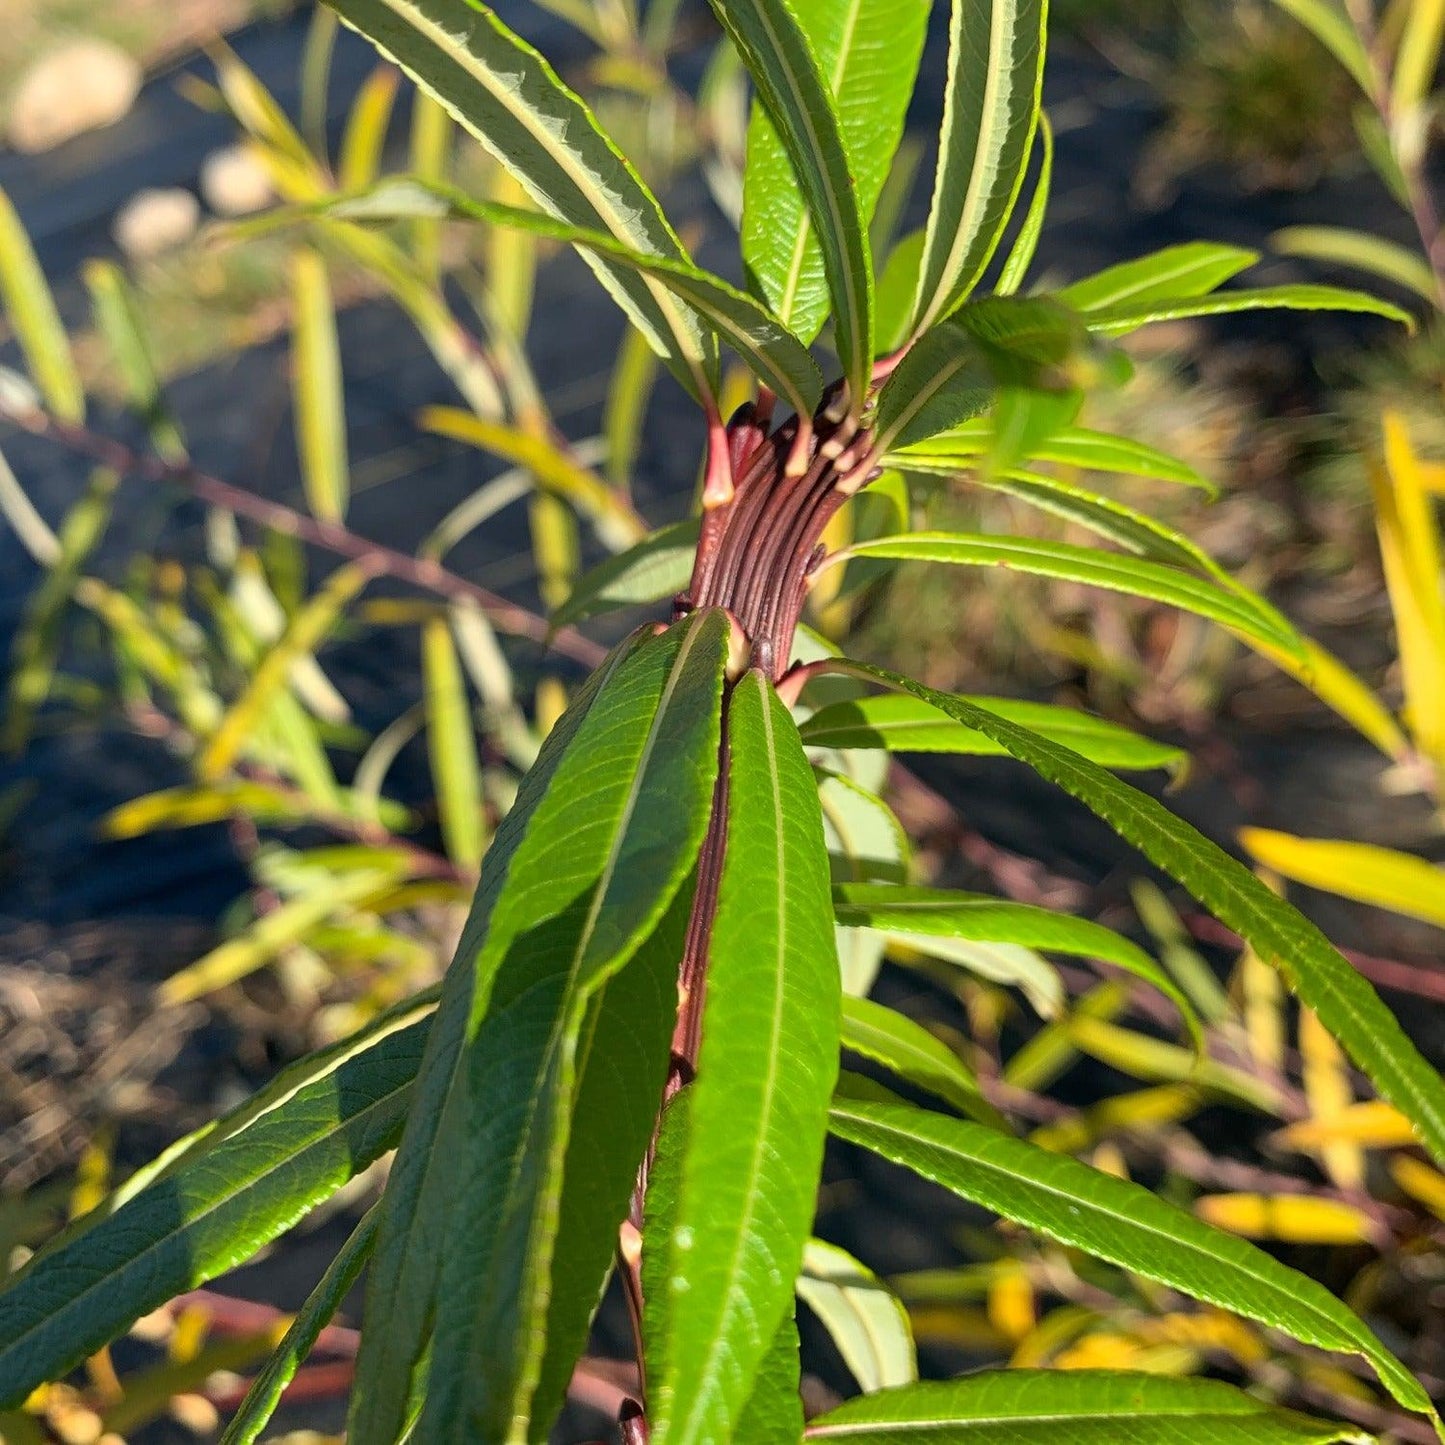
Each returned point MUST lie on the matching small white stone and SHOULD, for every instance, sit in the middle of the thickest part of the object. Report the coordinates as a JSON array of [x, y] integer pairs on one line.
[[156, 220], [79, 86], [235, 181]]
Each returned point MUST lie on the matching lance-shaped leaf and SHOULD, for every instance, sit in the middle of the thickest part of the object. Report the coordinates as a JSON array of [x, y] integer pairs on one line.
[[1340, 246], [215, 1202], [949, 914], [1346, 1004], [775, 355], [602, 857], [784, 70], [903, 724], [1119, 1221], [866, 1320], [867, 51], [774, 1412], [656, 568], [1192, 269], [316, 389], [510, 98], [757, 1110], [402, 1279], [1074, 1407], [990, 107], [1128, 316], [1021, 256], [300, 1338], [1093, 451], [1137, 576]]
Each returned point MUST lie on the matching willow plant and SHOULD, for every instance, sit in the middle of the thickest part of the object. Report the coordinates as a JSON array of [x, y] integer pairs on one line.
[[633, 1062]]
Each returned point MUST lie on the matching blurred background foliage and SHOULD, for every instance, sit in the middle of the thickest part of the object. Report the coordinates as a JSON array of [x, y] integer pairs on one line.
[[360, 821]]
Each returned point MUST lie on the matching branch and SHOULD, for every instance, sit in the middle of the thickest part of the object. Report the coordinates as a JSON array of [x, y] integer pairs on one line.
[[386, 561]]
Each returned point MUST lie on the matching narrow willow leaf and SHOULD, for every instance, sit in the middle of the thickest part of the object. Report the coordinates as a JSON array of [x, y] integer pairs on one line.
[[309, 626], [1330, 24], [1417, 59], [775, 48], [1318, 973], [1381, 877], [1094, 451], [402, 1279], [587, 884], [1061, 1407], [773, 1414], [990, 108], [1026, 243], [321, 1305], [37, 326], [908, 725], [1340, 246], [758, 1108], [452, 747], [316, 388], [865, 1319], [907, 1049], [430, 153], [365, 134], [1120, 1222], [778, 358], [1131, 315], [214, 1202], [510, 99], [1135, 576], [867, 52], [1192, 269], [652, 570], [951, 914]]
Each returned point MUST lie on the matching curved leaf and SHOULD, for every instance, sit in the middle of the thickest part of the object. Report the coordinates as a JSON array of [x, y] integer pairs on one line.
[[1074, 1407], [776, 51], [1135, 576], [509, 97], [652, 570], [990, 107], [867, 52], [1129, 316], [1121, 1222], [1340, 246], [1324, 980], [905, 724], [757, 1110], [1176, 272], [864, 1318], [1021, 256]]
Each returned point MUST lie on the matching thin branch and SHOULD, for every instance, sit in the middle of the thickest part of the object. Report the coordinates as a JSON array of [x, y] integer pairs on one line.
[[420, 572]]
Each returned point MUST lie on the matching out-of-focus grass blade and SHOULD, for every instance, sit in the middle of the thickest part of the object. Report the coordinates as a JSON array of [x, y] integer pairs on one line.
[[1339, 246], [511, 263], [36, 322], [633, 377], [317, 396], [453, 748], [32, 529], [1326, 1076], [364, 138], [432, 130], [316, 55]]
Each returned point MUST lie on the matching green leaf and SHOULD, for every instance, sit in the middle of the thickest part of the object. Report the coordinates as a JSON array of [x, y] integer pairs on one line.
[[1192, 269], [1094, 451], [313, 1317], [894, 291], [990, 108], [1129, 316], [652, 570], [214, 1202], [36, 323], [758, 1107], [867, 52], [317, 398], [510, 99], [605, 852], [1138, 577], [907, 1049], [1324, 980], [402, 1278], [777, 357], [1074, 1407], [773, 1414], [1026, 243], [1340, 246], [452, 747], [776, 52], [976, 916], [364, 138], [908, 725], [1331, 26], [865, 1319], [1121, 1222]]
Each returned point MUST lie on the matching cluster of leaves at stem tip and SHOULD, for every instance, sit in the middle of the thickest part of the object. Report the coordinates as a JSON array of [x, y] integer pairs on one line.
[[633, 1062]]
